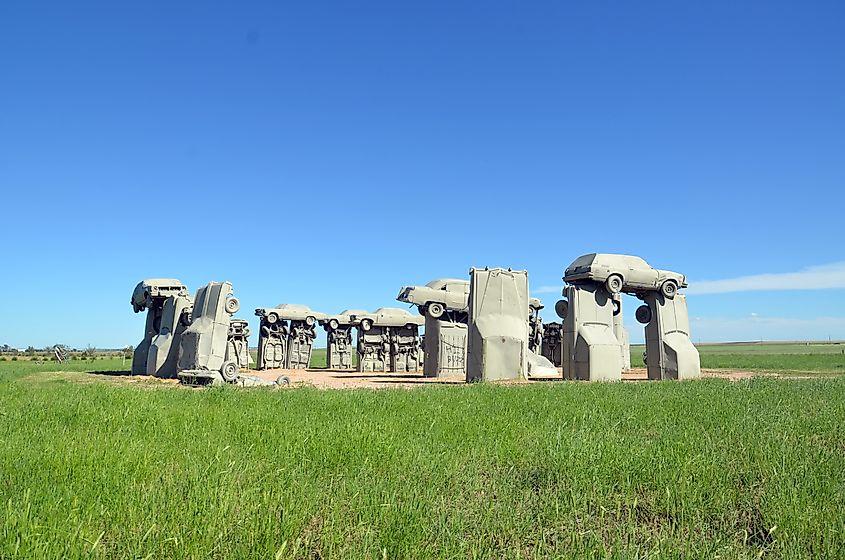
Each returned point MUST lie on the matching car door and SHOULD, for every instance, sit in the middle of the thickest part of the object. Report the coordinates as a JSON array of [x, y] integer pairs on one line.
[[639, 273]]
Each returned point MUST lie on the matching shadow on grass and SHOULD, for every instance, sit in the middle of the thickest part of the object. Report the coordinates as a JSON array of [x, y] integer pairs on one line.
[[377, 375], [124, 373], [419, 381]]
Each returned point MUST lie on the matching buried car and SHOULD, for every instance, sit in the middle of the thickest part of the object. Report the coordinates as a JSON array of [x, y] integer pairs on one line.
[[204, 355], [437, 296], [624, 273]]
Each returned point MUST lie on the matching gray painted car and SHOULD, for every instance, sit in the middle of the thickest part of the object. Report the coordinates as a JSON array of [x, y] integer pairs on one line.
[[204, 355], [155, 288], [624, 273], [437, 296], [290, 312], [342, 319], [386, 317]]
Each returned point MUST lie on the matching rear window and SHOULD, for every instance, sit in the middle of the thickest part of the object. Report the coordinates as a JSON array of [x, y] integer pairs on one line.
[[585, 260]]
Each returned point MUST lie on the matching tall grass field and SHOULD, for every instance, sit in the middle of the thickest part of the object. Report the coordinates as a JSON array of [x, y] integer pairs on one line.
[[96, 467]]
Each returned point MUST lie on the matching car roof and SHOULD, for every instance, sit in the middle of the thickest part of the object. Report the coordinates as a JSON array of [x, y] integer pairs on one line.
[[353, 312], [440, 283], [293, 307], [608, 259], [395, 311], [614, 259]]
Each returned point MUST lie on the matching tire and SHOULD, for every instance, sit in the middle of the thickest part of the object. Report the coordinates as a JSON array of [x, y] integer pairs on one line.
[[366, 324], [333, 324], [420, 310], [562, 308], [185, 318], [410, 326], [229, 371], [617, 307], [643, 314], [272, 318], [283, 381], [669, 288], [614, 283], [233, 305], [436, 310], [310, 321]]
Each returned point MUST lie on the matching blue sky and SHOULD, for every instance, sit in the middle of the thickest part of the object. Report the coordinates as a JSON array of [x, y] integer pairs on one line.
[[328, 153]]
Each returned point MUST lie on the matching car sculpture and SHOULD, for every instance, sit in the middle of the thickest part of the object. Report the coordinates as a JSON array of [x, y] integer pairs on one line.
[[535, 324], [290, 312], [437, 296], [624, 273], [344, 318], [386, 317], [152, 289], [204, 352]]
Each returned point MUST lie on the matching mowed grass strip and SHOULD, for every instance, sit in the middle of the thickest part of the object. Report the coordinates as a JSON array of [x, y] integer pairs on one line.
[[695, 469]]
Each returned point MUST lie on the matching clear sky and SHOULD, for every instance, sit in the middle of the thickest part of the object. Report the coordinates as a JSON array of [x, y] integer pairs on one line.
[[328, 153]]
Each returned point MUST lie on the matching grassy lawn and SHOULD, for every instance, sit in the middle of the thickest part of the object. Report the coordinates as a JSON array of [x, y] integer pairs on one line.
[[697, 469], [788, 358]]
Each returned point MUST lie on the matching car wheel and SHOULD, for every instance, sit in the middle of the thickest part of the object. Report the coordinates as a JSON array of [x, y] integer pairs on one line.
[[562, 308], [333, 324], [669, 288], [283, 381], [643, 314], [617, 306], [436, 310], [229, 371], [366, 324], [272, 318], [310, 321], [614, 283], [232, 305], [421, 310]]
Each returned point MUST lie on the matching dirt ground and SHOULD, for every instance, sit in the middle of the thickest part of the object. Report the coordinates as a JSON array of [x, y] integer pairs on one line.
[[345, 379], [348, 379]]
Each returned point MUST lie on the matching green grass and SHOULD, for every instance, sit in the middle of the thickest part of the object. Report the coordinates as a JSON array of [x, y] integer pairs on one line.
[[788, 358], [697, 469], [318, 358], [12, 370]]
